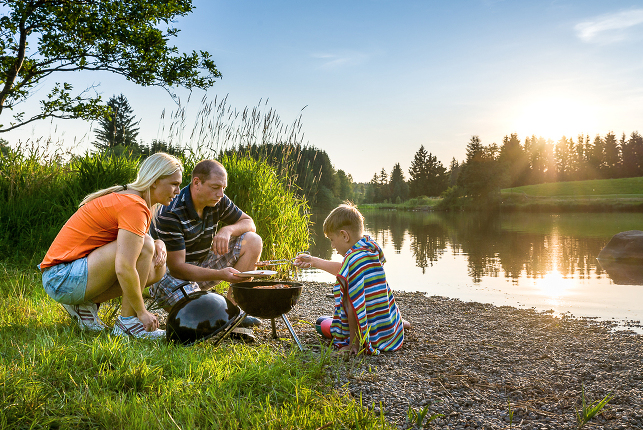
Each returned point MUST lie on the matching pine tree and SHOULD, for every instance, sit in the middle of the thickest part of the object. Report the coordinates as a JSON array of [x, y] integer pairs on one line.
[[612, 156], [453, 172], [120, 128], [397, 185], [418, 174]]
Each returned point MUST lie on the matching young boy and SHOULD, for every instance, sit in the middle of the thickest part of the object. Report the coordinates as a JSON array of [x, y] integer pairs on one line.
[[365, 315]]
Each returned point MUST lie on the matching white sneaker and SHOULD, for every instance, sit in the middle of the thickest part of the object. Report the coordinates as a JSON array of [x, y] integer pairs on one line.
[[132, 326], [86, 315]]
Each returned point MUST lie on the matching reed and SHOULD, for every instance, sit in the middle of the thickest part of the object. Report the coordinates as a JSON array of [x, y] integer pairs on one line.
[[219, 129], [41, 185], [589, 411]]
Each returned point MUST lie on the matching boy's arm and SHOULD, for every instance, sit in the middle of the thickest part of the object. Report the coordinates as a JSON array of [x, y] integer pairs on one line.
[[354, 345], [305, 261]]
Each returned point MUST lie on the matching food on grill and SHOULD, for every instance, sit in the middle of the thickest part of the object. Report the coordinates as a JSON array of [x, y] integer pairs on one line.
[[275, 286]]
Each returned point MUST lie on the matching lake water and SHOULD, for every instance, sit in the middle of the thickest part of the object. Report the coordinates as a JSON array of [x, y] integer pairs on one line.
[[541, 261]]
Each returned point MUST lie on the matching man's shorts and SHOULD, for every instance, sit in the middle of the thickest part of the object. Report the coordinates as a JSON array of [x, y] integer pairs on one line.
[[170, 290], [66, 282]]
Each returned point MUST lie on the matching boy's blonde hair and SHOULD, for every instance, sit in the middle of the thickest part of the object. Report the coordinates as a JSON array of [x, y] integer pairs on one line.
[[344, 217]]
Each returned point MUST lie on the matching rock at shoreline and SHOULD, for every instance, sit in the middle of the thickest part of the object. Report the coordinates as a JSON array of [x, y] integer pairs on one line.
[[624, 246]]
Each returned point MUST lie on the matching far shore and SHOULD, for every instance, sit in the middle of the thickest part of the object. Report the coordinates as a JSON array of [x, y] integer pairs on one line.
[[524, 203]]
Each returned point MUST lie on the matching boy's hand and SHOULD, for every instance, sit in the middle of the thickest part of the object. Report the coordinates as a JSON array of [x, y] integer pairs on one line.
[[348, 350], [303, 261]]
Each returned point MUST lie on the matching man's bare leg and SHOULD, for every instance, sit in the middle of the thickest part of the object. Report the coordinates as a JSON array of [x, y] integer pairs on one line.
[[249, 254]]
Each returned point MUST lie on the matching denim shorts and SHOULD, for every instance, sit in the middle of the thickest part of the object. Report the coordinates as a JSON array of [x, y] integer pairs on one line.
[[66, 282]]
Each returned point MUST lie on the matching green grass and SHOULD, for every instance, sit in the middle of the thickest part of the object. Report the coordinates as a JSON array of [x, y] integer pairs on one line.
[[416, 203], [52, 375], [599, 195], [615, 188]]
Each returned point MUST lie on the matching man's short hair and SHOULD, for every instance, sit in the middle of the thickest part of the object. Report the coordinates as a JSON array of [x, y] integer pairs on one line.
[[206, 168], [344, 217]]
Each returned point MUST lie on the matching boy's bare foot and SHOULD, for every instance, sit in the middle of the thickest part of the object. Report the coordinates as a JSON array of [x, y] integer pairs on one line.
[[406, 324]]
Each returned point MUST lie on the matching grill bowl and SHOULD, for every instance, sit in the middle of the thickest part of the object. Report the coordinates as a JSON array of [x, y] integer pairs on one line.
[[266, 303]]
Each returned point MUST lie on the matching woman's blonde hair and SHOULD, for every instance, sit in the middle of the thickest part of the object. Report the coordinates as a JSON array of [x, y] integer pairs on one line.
[[154, 167]]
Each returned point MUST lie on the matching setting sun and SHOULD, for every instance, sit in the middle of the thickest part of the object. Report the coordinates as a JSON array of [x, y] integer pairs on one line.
[[555, 117]]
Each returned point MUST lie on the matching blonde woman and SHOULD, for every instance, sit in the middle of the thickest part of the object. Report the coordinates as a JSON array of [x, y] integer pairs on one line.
[[104, 251]]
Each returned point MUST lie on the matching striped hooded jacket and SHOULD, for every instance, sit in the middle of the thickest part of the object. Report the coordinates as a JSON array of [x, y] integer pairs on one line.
[[362, 278]]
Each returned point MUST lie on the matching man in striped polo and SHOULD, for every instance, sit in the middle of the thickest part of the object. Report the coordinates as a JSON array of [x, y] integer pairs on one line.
[[197, 250]]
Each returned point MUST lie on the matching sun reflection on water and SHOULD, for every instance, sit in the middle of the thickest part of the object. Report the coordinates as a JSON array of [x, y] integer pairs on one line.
[[554, 285]]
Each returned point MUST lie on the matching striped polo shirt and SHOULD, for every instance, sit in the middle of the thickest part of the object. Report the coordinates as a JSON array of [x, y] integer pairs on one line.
[[180, 227]]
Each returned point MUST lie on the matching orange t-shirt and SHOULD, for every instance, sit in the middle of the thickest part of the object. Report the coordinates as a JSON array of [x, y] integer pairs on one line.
[[96, 224]]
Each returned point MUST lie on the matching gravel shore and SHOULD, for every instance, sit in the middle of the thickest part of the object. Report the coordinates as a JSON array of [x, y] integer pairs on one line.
[[475, 363]]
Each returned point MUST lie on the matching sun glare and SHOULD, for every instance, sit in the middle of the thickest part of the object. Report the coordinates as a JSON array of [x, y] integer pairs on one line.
[[554, 285], [553, 118]]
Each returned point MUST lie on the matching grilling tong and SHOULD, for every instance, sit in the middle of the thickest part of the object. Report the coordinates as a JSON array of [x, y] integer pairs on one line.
[[280, 262]]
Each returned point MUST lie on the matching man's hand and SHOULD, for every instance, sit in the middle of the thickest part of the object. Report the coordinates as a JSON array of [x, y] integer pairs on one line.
[[149, 320], [220, 242], [227, 274], [160, 253]]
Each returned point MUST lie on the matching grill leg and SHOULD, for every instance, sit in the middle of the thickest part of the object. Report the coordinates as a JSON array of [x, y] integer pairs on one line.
[[274, 328], [229, 330], [290, 329]]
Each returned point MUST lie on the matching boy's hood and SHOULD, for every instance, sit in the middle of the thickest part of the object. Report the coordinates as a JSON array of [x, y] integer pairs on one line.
[[369, 245]]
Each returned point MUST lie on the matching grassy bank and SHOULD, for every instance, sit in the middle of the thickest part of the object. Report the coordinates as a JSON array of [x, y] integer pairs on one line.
[[52, 375], [422, 203], [598, 188], [600, 195]]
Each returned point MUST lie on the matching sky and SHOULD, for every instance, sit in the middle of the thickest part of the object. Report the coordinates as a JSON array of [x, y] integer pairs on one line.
[[374, 80]]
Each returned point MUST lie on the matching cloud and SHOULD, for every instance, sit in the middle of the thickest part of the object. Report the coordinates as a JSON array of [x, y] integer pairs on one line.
[[609, 28], [334, 61]]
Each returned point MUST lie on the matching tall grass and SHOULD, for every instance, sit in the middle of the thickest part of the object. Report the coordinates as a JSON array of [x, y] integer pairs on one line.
[[40, 187], [256, 132]]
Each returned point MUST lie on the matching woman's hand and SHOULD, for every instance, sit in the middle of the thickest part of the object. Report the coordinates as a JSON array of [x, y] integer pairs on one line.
[[160, 253], [303, 261], [149, 320]]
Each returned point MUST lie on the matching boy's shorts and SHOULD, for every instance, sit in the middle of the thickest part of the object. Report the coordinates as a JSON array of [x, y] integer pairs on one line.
[[66, 283], [166, 292]]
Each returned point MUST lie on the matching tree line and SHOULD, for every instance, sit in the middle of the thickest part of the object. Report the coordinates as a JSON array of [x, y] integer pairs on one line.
[[487, 169]]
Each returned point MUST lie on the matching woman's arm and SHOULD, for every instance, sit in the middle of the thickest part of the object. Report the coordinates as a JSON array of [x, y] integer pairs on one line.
[[132, 263]]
